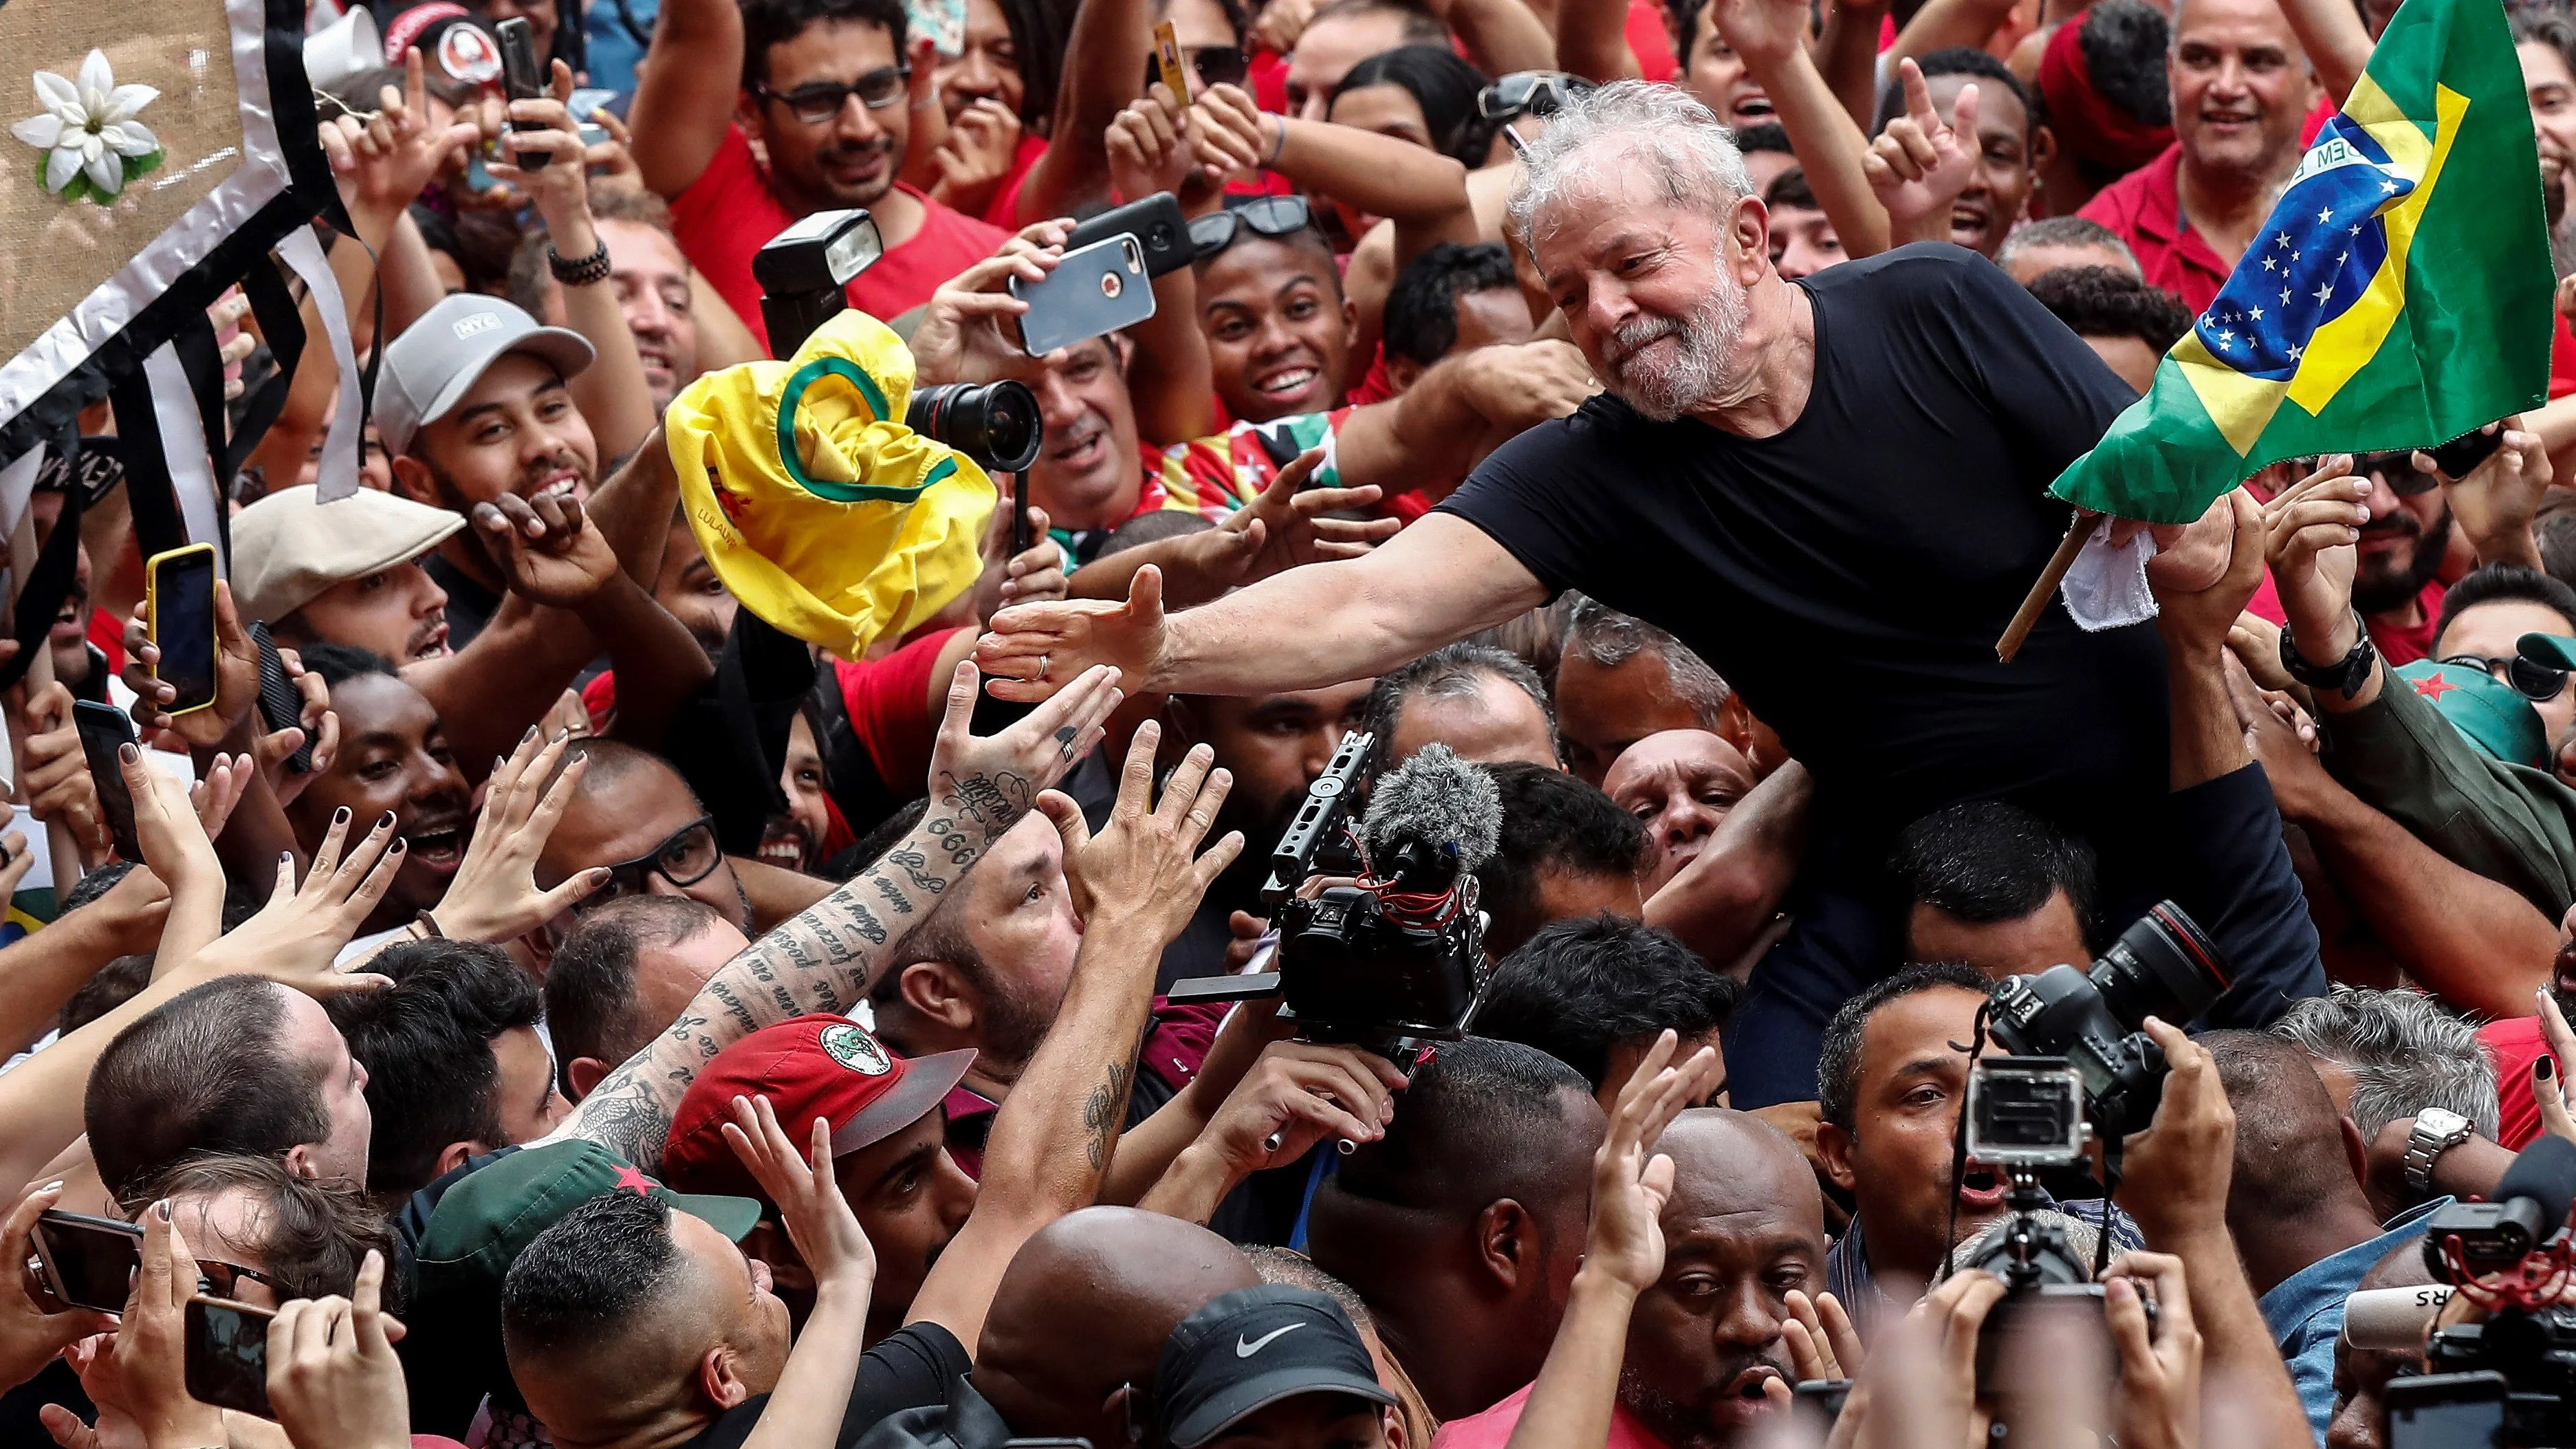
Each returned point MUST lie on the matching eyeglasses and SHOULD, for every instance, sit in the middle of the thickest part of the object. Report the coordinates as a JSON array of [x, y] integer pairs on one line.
[[1270, 216], [688, 857], [2531, 678], [2398, 471], [219, 1279], [814, 104], [1529, 93], [1214, 65]]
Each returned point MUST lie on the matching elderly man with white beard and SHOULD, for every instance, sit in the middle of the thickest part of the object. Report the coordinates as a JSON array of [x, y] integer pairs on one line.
[[1833, 489]]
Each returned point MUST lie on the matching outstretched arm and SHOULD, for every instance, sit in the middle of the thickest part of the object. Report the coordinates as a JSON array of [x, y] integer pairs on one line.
[[1439, 580], [684, 95]]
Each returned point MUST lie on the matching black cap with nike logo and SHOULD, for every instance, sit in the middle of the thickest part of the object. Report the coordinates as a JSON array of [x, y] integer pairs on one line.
[[1249, 1350]]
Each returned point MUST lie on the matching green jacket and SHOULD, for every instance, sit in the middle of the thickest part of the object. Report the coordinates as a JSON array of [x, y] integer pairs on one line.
[[2507, 822]]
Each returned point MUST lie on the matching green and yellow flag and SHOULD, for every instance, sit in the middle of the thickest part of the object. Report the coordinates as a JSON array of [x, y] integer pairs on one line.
[[2398, 297]]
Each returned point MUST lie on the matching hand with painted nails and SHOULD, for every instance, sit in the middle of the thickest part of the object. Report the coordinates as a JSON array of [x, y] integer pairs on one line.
[[2549, 1069], [295, 939], [494, 896]]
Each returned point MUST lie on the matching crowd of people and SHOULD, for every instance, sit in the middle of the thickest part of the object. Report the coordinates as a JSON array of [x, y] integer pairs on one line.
[[604, 1020]]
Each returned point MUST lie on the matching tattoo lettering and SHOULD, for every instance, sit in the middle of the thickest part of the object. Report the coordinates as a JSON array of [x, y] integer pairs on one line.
[[894, 894], [865, 922], [1100, 1113], [980, 800], [761, 970], [916, 865], [785, 998], [742, 1015], [687, 1027]]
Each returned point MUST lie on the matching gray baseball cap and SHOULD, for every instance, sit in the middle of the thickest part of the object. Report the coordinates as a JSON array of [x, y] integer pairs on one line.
[[438, 359]]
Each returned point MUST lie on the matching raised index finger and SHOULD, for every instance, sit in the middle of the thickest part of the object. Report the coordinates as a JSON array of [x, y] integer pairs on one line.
[[1918, 95]]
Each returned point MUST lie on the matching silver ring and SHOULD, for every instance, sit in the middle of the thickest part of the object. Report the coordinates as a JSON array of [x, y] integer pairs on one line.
[[1042, 666]]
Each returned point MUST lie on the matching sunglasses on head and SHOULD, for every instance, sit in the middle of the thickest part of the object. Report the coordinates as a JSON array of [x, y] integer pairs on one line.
[[688, 857], [1529, 93], [822, 100], [1214, 65], [2398, 471], [2535, 680], [1270, 216]]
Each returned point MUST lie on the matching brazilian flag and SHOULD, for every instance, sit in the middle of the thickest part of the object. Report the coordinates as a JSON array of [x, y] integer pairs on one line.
[[2398, 296]]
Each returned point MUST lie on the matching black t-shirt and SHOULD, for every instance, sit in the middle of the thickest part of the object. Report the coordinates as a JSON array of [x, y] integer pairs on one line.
[[907, 1369], [1851, 574]]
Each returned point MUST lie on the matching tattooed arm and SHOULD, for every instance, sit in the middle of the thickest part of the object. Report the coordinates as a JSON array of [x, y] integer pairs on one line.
[[820, 959], [1136, 885]]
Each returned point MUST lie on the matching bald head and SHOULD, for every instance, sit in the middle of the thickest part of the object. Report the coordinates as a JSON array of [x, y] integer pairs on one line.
[[2290, 1154], [1081, 1314], [1727, 1162]]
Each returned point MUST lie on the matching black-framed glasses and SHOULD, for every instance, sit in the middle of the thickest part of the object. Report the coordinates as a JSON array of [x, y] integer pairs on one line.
[[1529, 93], [2535, 680], [219, 1279], [688, 857], [2398, 471], [1270, 216], [821, 101], [1214, 65]]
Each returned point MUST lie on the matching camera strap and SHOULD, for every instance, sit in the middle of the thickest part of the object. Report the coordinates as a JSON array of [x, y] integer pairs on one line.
[[1975, 1047]]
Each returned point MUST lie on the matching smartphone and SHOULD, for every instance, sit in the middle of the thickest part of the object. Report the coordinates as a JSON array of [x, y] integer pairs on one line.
[[1093, 291], [944, 21], [1167, 61], [1155, 222], [179, 590], [2460, 455], [523, 77], [227, 1355], [88, 1262], [281, 704], [2447, 1411], [103, 730]]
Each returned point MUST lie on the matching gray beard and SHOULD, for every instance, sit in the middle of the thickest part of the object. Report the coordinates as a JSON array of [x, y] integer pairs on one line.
[[1707, 340]]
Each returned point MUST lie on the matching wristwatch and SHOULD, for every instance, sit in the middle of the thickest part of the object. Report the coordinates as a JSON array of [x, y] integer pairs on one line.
[[2345, 676], [2437, 1130]]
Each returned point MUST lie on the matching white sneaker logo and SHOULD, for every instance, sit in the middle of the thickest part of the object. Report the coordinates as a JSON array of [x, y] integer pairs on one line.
[[1247, 1347]]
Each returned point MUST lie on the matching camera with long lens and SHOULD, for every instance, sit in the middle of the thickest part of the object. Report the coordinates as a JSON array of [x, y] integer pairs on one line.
[[2163, 966], [804, 274], [2509, 1380], [1380, 942]]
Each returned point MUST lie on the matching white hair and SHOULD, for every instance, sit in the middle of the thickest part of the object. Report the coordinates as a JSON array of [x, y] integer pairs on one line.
[[1687, 150], [2404, 1051]]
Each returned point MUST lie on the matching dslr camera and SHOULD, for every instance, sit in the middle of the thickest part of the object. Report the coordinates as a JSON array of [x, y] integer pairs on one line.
[[1387, 951], [804, 273], [2511, 1379], [2163, 965]]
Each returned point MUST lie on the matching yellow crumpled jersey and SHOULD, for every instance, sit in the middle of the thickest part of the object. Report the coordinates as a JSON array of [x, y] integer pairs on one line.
[[824, 514]]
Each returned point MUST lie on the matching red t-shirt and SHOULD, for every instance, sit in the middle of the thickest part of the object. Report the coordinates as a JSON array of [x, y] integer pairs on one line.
[[1652, 41], [1005, 208], [729, 213], [2145, 208], [1492, 1429], [888, 701], [2397, 646], [2515, 1043]]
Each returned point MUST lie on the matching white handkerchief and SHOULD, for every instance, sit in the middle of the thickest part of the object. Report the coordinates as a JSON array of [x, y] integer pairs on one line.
[[2107, 587]]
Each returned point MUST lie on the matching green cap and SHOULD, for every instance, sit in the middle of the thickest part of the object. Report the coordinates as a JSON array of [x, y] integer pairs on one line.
[[478, 1230], [2557, 649], [2494, 717]]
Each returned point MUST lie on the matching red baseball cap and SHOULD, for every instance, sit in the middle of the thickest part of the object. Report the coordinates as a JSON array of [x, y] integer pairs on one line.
[[811, 1066]]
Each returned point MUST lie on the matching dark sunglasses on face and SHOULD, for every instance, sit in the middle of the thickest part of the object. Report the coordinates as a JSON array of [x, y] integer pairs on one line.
[[688, 857], [1529, 93], [1270, 216], [1214, 65], [2533, 679], [2398, 471], [821, 101]]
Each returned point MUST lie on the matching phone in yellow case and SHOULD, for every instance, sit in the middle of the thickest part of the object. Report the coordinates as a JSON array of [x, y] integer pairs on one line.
[[179, 604]]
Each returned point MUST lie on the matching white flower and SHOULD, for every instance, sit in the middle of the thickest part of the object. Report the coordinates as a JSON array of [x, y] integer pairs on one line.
[[89, 128]]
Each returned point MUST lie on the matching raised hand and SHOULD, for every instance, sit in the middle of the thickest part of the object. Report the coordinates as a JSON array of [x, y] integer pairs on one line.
[[989, 781], [494, 896], [819, 1221], [2197, 604], [1764, 32], [1144, 867], [611, 163], [1630, 1180], [54, 771], [2175, 1183], [2159, 1394], [1297, 1094], [383, 161], [1921, 163], [295, 939], [982, 143], [1821, 1340], [1032, 650], [1290, 524], [2496, 502], [174, 840], [319, 725], [236, 680], [546, 547], [1149, 145], [2311, 530], [560, 188], [1034, 573], [151, 1338], [970, 330], [332, 1375], [30, 1336], [1230, 134]]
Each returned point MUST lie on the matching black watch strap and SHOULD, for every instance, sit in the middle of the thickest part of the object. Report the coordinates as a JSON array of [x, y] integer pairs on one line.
[[2345, 676]]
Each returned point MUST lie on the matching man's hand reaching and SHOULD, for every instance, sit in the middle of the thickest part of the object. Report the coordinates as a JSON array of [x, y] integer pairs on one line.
[[2311, 529], [1920, 163], [1144, 868], [2496, 502], [818, 1219], [1032, 650], [969, 331], [1288, 525], [546, 547]]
